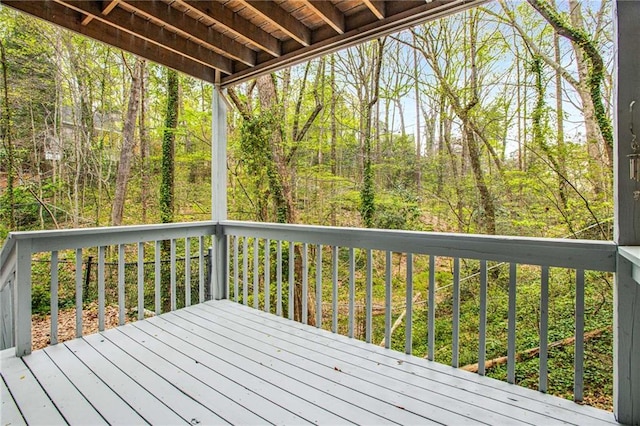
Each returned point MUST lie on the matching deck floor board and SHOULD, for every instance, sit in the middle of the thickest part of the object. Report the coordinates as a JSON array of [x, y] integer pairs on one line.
[[69, 401], [431, 371], [400, 384], [10, 412], [221, 362]]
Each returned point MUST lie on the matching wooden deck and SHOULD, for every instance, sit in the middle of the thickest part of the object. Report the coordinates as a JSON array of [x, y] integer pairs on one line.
[[220, 362]]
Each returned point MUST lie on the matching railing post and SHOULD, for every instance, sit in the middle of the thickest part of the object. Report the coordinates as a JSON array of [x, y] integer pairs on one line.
[[626, 344], [6, 312], [219, 187], [22, 298], [220, 264]]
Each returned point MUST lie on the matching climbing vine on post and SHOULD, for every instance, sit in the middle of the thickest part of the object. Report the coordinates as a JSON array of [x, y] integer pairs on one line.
[[255, 140], [596, 65], [168, 148]]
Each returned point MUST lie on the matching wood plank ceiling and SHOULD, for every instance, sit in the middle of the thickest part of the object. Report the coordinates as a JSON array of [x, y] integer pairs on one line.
[[235, 40]]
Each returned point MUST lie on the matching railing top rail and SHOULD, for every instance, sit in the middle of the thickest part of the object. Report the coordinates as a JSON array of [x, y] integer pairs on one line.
[[86, 237], [631, 253], [580, 254]]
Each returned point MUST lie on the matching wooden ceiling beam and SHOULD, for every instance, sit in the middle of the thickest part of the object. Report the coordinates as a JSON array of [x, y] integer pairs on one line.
[[183, 24], [282, 19], [71, 19], [235, 24], [147, 30], [377, 7], [329, 14]]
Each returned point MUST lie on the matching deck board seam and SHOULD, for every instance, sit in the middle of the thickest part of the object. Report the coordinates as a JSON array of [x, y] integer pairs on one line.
[[271, 319], [247, 372], [274, 358]]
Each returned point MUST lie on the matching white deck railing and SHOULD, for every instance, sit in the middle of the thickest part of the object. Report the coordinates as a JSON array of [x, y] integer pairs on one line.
[[17, 258], [255, 268]]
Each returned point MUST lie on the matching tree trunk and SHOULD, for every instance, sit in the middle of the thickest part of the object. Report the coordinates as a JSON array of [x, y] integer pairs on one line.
[[144, 144], [128, 144], [167, 184], [418, 169], [334, 138]]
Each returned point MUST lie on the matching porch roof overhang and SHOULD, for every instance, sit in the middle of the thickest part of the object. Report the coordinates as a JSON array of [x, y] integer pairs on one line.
[[230, 41]]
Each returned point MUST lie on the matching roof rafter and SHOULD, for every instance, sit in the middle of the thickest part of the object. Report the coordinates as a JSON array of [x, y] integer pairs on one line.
[[179, 22], [71, 19], [235, 24], [282, 19], [377, 7], [108, 7], [329, 14], [140, 27]]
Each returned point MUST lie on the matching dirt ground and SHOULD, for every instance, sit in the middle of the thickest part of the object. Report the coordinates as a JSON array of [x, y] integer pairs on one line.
[[41, 326]]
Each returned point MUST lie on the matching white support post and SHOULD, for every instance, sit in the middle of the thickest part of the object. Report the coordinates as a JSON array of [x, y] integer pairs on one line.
[[22, 298], [626, 351], [219, 187]]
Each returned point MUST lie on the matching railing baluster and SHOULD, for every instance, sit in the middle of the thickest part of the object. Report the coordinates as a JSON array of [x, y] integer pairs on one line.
[[267, 275], [408, 342], [455, 345], [79, 292], [101, 289], [431, 344], [544, 329], [54, 297], [140, 280], [305, 282], [236, 273], [245, 270], [511, 330], [369, 297], [121, 266], [578, 382], [173, 275], [227, 277], [187, 271], [352, 291], [292, 284], [201, 269], [279, 278], [319, 286], [256, 273], [334, 289], [482, 346], [387, 300], [157, 266]]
